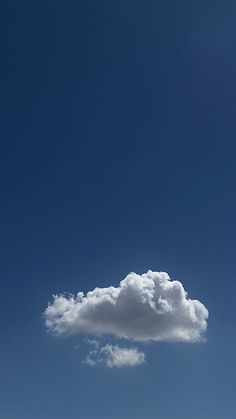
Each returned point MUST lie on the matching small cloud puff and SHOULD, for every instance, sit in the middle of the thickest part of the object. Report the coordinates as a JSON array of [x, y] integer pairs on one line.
[[114, 356], [147, 307]]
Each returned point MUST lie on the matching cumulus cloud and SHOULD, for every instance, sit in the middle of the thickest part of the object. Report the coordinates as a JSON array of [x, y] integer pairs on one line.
[[147, 307], [114, 356]]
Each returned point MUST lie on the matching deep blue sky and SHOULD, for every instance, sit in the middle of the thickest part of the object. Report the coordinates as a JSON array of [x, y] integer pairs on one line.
[[117, 154]]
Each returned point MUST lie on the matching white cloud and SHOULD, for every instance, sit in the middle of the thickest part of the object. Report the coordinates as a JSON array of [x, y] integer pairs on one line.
[[148, 307], [114, 356]]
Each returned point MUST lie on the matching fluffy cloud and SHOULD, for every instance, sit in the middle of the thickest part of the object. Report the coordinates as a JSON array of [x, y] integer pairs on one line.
[[148, 307], [114, 356]]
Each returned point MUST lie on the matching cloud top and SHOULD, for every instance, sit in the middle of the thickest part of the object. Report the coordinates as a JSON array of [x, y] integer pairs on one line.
[[147, 307]]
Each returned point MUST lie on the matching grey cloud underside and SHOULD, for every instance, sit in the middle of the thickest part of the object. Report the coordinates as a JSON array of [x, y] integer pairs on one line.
[[148, 307]]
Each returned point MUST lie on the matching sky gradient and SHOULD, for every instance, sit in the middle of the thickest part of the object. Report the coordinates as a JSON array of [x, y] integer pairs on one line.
[[117, 155]]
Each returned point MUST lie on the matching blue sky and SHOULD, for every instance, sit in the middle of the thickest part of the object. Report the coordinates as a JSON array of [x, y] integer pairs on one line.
[[117, 155]]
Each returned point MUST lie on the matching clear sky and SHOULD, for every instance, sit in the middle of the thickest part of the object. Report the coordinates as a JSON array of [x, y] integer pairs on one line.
[[117, 155]]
